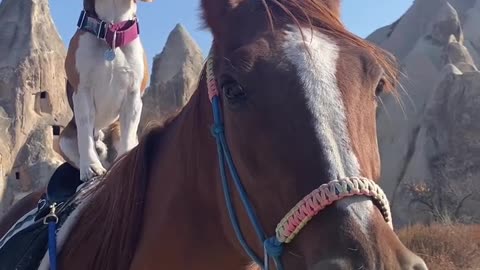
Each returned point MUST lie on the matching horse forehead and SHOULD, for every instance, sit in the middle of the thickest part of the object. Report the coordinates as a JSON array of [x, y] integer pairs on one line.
[[308, 48], [315, 56]]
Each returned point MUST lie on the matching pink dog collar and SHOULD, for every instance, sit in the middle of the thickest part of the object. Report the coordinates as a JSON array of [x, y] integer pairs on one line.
[[115, 34]]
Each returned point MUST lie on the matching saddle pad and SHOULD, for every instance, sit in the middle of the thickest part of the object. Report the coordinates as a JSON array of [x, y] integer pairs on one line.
[[26, 248]]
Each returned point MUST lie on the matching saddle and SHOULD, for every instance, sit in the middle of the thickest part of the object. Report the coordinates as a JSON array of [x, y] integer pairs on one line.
[[24, 248]]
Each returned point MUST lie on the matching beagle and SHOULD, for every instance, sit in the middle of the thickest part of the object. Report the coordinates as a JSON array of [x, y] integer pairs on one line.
[[107, 73]]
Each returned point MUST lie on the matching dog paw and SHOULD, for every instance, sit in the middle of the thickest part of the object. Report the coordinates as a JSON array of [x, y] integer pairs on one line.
[[90, 171], [98, 135]]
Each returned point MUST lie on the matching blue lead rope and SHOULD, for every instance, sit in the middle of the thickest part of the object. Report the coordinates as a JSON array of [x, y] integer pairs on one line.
[[52, 244], [51, 219], [272, 247]]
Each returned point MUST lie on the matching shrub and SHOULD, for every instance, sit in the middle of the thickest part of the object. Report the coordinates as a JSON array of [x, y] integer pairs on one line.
[[445, 247]]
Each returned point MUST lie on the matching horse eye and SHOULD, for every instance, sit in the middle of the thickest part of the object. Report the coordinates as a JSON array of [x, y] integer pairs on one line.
[[380, 87], [234, 91]]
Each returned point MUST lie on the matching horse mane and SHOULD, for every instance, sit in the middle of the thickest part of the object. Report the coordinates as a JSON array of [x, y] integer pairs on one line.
[[113, 215], [317, 14]]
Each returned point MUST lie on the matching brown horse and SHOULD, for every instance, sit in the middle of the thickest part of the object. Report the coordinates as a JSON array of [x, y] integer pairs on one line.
[[297, 94]]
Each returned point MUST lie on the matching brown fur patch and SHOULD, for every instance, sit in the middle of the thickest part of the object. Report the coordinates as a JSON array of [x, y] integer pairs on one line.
[[70, 61], [70, 131], [111, 139], [114, 131]]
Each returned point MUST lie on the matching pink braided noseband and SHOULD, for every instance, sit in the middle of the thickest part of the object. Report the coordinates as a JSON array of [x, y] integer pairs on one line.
[[325, 195], [321, 197], [211, 82]]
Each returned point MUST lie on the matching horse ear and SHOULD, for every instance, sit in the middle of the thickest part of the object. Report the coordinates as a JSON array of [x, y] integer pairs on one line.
[[215, 12]]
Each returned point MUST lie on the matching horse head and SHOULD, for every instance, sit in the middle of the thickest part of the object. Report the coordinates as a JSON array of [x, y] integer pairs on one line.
[[299, 94]]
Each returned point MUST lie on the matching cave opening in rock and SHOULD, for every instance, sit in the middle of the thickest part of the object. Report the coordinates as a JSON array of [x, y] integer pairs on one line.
[[56, 130], [43, 104]]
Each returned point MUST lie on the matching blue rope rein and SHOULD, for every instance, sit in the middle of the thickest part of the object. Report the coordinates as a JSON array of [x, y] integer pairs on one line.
[[52, 245], [51, 219], [272, 247]]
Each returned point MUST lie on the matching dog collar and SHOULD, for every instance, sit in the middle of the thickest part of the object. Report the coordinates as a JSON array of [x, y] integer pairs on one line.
[[115, 34]]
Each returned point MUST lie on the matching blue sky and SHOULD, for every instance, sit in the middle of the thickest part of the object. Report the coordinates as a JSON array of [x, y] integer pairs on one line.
[[160, 17]]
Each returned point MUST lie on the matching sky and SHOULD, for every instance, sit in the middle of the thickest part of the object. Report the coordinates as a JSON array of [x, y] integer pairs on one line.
[[157, 19]]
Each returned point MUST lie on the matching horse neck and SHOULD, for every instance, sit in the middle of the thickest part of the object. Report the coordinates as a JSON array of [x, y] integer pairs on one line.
[[115, 10], [184, 198], [188, 149]]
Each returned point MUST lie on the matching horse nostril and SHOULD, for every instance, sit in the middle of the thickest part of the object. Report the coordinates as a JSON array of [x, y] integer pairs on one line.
[[421, 266], [414, 262]]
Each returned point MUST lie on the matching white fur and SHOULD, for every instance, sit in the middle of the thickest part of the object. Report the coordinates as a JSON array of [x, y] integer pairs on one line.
[[69, 148], [107, 91], [317, 73]]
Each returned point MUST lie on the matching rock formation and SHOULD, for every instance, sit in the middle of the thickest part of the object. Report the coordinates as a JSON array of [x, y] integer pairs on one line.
[[33, 105], [174, 77], [429, 143]]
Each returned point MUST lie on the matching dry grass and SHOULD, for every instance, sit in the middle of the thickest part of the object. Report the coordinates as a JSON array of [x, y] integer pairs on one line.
[[445, 247]]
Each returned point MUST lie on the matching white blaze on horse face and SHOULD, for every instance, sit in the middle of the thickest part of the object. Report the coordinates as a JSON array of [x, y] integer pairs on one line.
[[315, 60]]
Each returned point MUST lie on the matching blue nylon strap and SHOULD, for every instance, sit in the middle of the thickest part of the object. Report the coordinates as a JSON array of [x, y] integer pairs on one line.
[[272, 247], [52, 244], [217, 131], [231, 211]]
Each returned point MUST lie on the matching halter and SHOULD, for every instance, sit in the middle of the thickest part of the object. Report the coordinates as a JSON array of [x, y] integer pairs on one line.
[[301, 213]]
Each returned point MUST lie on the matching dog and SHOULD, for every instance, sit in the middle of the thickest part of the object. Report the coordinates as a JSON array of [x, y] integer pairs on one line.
[[107, 73]]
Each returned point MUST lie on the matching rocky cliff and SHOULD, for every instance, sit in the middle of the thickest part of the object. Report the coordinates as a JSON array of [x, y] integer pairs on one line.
[[174, 77], [429, 143], [33, 106]]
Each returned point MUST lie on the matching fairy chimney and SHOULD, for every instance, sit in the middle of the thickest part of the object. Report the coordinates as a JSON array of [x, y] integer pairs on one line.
[[33, 104], [174, 76]]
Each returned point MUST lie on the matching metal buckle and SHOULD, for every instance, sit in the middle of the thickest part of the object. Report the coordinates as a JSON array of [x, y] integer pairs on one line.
[[81, 19], [102, 28], [52, 216]]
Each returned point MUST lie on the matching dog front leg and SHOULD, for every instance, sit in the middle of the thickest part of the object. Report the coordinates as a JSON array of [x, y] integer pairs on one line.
[[129, 120], [90, 165]]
